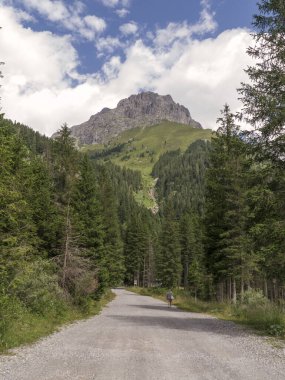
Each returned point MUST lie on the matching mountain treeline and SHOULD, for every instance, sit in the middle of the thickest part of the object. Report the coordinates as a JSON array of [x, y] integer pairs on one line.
[[71, 228]]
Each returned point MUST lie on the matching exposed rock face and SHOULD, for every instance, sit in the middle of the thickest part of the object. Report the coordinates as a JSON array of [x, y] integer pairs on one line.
[[140, 110]]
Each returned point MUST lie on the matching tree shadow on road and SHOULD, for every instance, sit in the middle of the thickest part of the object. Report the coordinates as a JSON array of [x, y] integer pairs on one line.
[[157, 307], [201, 324]]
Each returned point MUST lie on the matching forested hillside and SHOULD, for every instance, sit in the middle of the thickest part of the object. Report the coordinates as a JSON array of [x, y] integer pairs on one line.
[[63, 222], [71, 226]]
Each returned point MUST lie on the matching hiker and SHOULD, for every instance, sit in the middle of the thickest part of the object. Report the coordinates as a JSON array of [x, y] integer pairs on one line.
[[169, 297]]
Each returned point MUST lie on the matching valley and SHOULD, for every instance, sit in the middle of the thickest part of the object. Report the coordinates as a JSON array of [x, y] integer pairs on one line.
[[139, 149]]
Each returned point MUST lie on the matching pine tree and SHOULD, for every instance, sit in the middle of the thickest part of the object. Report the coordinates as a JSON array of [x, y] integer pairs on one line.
[[65, 173], [230, 254], [169, 257], [192, 253], [39, 192], [87, 219], [113, 267], [264, 97]]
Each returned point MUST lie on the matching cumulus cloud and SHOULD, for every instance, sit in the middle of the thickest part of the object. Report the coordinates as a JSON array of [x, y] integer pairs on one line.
[[122, 12], [95, 23], [114, 3], [53, 10], [108, 44], [42, 86], [70, 17], [110, 3], [129, 28], [184, 31]]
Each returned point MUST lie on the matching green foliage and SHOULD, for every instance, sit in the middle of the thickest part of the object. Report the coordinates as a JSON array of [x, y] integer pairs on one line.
[[181, 177], [52, 232], [169, 256], [19, 325], [229, 246], [264, 97], [140, 148], [113, 260], [263, 316]]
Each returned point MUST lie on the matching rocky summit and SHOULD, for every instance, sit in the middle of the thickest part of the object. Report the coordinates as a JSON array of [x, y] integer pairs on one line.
[[142, 110]]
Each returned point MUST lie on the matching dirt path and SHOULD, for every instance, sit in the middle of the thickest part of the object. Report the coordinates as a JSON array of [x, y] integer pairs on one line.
[[140, 338]]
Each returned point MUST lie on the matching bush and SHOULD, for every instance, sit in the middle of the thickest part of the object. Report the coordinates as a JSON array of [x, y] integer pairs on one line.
[[257, 311], [254, 298], [10, 310], [37, 288]]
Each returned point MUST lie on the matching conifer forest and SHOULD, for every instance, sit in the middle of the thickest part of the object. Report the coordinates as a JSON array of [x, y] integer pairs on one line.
[[71, 227]]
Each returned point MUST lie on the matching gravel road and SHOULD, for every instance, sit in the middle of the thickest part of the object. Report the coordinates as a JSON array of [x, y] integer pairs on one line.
[[141, 338]]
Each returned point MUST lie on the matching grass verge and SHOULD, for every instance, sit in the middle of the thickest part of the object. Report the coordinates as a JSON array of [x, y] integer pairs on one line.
[[26, 327], [256, 312]]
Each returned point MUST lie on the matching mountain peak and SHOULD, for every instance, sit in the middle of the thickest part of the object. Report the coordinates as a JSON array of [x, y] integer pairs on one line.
[[141, 110]]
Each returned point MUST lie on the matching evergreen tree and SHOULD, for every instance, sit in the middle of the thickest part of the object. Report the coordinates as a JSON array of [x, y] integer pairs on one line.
[[18, 241], [264, 97], [39, 192], [192, 253], [230, 254], [169, 256], [87, 220], [65, 172], [136, 245], [112, 272], [139, 250]]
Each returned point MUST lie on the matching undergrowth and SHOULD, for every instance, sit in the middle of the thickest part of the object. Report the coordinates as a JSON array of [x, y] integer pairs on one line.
[[20, 325], [255, 311]]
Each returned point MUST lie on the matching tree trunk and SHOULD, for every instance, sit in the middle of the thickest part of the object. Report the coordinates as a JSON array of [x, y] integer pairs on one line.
[[150, 264], [229, 289], [186, 273], [144, 272], [265, 288], [66, 245], [234, 293], [241, 287], [221, 292]]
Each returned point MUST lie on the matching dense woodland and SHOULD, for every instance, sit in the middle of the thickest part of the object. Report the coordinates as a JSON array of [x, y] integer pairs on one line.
[[71, 228]]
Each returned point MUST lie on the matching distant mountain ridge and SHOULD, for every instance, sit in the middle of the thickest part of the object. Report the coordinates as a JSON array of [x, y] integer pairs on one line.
[[142, 110]]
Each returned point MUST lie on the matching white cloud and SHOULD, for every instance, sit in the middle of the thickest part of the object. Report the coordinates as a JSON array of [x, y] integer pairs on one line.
[[110, 3], [112, 68], [69, 17], [108, 44], [95, 23], [129, 28], [184, 31], [122, 12], [41, 69], [114, 3], [53, 10]]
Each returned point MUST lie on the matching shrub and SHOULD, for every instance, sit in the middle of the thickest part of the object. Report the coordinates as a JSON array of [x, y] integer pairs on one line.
[[254, 298], [37, 288]]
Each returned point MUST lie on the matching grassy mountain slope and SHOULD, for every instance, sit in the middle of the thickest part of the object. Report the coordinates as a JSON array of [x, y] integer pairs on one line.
[[140, 148]]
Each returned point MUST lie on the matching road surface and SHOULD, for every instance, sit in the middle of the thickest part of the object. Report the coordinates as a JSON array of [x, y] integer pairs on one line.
[[141, 338]]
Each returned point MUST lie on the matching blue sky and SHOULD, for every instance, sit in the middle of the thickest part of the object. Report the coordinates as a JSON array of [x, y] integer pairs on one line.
[[65, 60]]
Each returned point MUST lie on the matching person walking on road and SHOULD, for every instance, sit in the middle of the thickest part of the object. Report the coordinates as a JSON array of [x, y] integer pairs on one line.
[[169, 297]]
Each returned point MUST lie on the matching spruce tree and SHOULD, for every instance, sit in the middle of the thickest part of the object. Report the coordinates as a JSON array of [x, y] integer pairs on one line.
[[87, 221], [168, 265], [192, 253], [264, 97], [114, 266], [230, 254]]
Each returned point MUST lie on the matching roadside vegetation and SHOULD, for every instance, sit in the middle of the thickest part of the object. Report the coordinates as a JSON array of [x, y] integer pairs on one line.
[[256, 311], [22, 325]]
